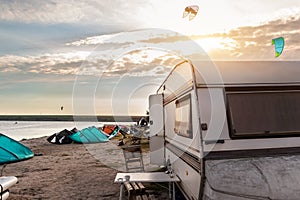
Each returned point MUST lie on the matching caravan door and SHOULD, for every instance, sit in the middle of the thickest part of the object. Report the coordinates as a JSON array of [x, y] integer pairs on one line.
[[157, 153]]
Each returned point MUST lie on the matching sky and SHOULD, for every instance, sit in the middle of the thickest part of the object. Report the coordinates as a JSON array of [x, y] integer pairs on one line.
[[106, 57]]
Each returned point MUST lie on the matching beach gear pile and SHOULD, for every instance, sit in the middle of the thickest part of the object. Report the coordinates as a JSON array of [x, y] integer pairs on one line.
[[86, 135]]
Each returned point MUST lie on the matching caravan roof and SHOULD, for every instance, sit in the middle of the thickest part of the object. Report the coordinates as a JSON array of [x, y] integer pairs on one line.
[[247, 72], [230, 74]]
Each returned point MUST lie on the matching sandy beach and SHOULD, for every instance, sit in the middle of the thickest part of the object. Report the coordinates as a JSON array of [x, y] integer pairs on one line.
[[71, 171]]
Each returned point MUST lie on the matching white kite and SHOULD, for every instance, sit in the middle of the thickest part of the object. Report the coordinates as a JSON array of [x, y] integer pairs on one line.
[[191, 11]]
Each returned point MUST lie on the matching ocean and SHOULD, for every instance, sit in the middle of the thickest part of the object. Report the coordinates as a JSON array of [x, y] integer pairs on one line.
[[19, 130]]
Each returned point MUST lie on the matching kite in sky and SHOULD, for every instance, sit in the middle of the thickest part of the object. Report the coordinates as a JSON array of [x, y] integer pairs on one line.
[[61, 108], [279, 45], [190, 10]]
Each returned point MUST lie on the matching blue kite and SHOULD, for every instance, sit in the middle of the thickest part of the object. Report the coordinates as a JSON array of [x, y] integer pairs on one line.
[[279, 45]]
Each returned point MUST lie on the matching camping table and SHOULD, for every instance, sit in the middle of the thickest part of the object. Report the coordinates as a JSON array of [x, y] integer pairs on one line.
[[147, 177]]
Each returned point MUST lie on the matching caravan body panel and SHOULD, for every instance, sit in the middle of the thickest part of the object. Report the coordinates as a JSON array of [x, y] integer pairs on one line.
[[232, 128]]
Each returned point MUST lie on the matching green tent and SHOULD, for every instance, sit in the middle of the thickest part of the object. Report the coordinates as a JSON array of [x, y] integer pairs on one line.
[[13, 151]]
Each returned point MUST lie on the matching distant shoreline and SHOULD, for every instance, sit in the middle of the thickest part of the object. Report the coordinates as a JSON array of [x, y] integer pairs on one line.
[[100, 118]]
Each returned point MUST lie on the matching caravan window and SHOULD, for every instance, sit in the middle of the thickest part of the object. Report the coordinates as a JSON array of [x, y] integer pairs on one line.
[[264, 113], [183, 118]]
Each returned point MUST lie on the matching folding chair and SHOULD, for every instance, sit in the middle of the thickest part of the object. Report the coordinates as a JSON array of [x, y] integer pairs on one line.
[[134, 163], [133, 158]]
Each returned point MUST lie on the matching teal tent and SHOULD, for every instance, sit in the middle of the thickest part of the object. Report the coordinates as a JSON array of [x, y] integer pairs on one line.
[[13, 151], [89, 135]]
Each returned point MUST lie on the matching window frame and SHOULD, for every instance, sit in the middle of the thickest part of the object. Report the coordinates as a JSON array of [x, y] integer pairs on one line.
[[180, 103], [266, 89]]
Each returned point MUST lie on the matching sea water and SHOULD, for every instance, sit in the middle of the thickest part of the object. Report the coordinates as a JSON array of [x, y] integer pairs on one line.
[[33, 129]]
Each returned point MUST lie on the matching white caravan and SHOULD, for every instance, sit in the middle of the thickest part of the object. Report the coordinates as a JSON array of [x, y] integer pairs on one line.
[[231, 130]]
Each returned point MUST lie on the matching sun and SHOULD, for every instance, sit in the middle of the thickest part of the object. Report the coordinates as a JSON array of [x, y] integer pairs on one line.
[[209, 44]]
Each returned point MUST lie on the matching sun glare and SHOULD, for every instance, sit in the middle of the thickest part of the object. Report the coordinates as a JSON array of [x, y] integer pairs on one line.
[[209, 44], [77, 54]]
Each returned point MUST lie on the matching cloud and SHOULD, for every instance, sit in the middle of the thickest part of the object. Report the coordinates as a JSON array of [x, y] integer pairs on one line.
[[137, 63], [102, 39], [115, 12], [37, 11], [125, 37], [48, 63], [243, 43], [143, 63], [125, 42], [254, 42], [131, 52]]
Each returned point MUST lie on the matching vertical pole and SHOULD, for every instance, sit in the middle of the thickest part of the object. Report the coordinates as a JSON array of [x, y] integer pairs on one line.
[[121, 192], [170, 192], [173, 190]]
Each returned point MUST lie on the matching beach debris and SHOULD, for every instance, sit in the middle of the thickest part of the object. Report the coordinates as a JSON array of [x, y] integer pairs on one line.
[[109, 129], [191, 11], [121, 142], [62, 137], [3, 166], [279, 45], [142, 122], [139, 131]]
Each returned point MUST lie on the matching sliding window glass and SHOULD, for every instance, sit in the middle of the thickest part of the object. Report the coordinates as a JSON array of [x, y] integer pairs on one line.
[[183, 119], [264, 113]]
